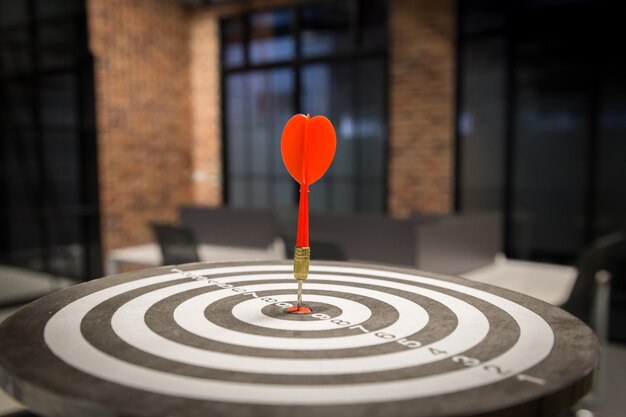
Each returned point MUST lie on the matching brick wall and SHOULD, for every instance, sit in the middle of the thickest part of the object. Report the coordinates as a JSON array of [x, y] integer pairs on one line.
[[143, 114], [205, 105], [421, 106]]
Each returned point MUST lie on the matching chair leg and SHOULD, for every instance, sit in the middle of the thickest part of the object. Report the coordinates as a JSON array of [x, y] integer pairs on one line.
[[591, 405]]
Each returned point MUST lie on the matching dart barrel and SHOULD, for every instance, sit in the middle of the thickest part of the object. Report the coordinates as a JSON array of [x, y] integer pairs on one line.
[[301, 261]]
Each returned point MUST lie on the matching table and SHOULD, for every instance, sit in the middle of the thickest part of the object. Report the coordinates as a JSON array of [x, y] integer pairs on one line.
[[213, 339], [150, 254], [547, 282]]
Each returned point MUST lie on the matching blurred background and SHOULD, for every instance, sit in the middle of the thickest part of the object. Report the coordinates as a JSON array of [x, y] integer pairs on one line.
[[479, 138]]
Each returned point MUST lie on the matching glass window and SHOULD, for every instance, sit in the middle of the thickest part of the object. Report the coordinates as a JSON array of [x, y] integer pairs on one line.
[[58, 101], [326, 28], [374, 24], [233, 52], [271, 36], [259, 104], [15, 52], [64, 8], [352, 95], [611, 166], [351, 92], [48, 149], [482, 16], [13, 12], [481, 124]]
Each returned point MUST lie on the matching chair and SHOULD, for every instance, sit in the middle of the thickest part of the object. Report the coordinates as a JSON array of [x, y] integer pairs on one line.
[[177, 243], [323, 250], [597, 265]]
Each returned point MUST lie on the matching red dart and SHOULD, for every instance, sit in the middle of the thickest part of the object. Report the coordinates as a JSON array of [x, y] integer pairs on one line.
[[308, 148]]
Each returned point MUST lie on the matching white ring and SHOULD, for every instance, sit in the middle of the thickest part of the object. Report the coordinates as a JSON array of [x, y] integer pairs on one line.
[[187, 313], [353, 312], [128, 323], [64, 337]]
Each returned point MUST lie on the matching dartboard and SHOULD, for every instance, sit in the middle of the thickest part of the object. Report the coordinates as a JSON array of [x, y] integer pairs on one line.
[[216, 340]]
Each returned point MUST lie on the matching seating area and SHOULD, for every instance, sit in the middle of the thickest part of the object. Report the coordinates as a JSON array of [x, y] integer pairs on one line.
[[444, 244], [467, 244]]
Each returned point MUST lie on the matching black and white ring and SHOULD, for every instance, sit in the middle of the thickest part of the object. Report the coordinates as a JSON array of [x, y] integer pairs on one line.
[[532, 343], [214, 340]]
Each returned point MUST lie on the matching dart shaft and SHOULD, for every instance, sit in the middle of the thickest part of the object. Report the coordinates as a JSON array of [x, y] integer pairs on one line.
[[299, 303]]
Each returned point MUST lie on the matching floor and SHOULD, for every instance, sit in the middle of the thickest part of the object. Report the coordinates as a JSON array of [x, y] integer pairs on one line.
[[14, 283]]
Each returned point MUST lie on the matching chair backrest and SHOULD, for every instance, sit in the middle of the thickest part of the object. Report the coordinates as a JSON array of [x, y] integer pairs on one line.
[[367, 237], [323, 250], [457, 244], [177, 243], [606, 253]]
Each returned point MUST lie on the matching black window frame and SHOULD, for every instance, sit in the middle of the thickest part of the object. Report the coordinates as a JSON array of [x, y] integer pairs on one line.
[[513, 30], [77, 67], [296, 65]]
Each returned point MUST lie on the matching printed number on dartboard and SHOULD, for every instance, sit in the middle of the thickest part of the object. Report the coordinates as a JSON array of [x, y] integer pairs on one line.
[[411, 344]]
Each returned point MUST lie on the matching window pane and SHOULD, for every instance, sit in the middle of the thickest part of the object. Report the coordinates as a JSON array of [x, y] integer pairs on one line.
[[25, 243], [237, 125], [260, 193], [61, 158], [374, 24], [352, 93], [13, 12], [18, 96], [233, 40], [352, 96], [483, 15], [372, 198], [481, 124], [59, 45], [327, 90], [271, 37], [551, 126], [370, 118], [15, 52], [326, 28], [258, 106], [284, 190], [57, 101], [66, 256], [344, 196], [237, 192], [48, 8], [611, 174], [320, 196]]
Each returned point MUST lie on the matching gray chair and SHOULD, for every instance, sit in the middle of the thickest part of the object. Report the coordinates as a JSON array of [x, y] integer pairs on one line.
[[177, 243], [597, 265]]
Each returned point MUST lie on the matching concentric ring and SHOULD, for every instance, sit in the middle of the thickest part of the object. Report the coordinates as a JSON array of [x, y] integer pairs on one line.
[[64, 338], [352, 312]]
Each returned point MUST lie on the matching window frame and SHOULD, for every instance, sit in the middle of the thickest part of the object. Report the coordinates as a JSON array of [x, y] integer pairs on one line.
[[296, 65]]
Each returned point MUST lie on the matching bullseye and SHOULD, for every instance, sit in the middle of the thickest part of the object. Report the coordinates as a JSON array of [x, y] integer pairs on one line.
[[296, 310]]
